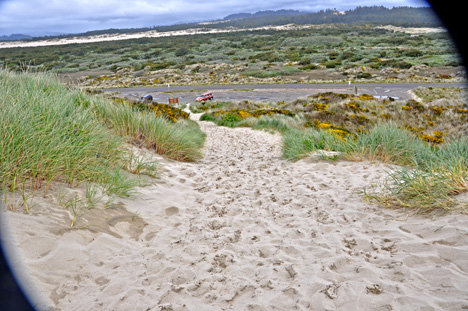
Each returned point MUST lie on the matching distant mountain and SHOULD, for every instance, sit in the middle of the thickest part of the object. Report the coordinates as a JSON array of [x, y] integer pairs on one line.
[[237, 16], [264, 13], [373, 15], [16, 36], [30, 36], [397, 16]]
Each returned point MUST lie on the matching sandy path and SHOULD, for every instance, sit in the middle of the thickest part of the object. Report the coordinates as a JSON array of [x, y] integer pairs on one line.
[[244, 230]]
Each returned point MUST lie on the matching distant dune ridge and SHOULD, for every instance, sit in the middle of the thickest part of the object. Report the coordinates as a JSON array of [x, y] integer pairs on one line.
[[146, 34], [269, 19]]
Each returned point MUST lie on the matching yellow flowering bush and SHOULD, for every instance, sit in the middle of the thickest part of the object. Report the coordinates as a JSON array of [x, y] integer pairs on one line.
[[437, 110], [413, 105], [169, 112], [243, 114], [161, 110], [365, 97], [319, 107], [336, 130], [436, 139]]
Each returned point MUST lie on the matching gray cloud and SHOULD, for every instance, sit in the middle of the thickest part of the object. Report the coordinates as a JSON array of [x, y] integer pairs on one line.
[[72, 16]]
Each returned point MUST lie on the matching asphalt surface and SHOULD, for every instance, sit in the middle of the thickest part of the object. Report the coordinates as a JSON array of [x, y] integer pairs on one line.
[[274, 92]]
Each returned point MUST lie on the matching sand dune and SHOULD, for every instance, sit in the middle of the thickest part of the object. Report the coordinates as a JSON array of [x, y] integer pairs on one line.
[[244, 230], [191, 31], [137, 35]]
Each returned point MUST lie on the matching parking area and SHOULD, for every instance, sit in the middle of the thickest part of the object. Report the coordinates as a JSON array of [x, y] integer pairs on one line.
[[273, 93], [266, 95]]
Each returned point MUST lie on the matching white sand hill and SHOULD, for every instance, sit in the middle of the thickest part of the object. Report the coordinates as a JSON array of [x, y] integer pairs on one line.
[[244, 230]]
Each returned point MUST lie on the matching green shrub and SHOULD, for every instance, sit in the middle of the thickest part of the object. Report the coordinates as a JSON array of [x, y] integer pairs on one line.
[[309, 67], [413, 53], [332, 63], [181, 52], [364, 75], [207, 117], [229, 120], [159, 66]]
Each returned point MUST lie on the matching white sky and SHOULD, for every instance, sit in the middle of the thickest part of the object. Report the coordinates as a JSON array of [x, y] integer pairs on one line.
[[38, 17]]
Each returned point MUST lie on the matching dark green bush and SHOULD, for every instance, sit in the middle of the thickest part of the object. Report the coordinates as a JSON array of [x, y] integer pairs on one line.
[[159, 66], [229, 120], [364, 75], [309, 67], [413, 53], [181, 52]]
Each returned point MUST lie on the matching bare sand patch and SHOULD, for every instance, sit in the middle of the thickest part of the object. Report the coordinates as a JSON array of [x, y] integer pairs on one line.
[[413, 30]]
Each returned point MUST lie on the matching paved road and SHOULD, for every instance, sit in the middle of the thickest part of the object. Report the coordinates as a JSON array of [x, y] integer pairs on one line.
[[275, 92]]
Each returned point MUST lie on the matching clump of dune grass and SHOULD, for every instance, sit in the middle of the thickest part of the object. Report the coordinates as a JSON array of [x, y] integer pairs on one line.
[[180, 141], [276, 122], [427, 179], [46, 135], [419, 190], [53, 133], [432, 182]]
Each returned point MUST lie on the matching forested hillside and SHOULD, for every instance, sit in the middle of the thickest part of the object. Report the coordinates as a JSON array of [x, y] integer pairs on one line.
[[399, 16]]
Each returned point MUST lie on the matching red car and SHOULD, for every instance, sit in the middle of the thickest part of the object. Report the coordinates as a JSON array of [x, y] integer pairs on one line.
[[204, 97]]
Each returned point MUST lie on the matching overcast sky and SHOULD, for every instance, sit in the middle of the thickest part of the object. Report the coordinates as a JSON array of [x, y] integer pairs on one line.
[[38, 17]]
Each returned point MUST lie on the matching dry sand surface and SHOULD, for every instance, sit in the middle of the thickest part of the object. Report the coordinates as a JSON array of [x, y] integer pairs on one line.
[[244, 230]]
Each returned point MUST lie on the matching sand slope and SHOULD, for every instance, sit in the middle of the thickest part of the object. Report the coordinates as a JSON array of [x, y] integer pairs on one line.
[[244, 230]]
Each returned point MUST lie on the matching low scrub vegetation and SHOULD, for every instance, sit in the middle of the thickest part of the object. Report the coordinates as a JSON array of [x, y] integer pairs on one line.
[[331, 52]]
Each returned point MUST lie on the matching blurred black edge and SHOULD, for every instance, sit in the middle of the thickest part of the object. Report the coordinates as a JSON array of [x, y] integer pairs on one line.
[[12, 297], [451, 14], [454, 19]]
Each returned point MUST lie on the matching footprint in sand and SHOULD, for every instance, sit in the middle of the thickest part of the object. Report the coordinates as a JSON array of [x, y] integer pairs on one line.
[[171, 211]]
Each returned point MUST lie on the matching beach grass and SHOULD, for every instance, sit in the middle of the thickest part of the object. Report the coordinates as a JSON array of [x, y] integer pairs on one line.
[[50, 132], [181, 141], [47, 135]]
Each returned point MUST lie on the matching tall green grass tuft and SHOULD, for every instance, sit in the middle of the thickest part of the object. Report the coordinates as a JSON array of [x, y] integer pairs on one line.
[[388, 143], [431, 182], [181, 141], [50, 132], [46, 135]]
